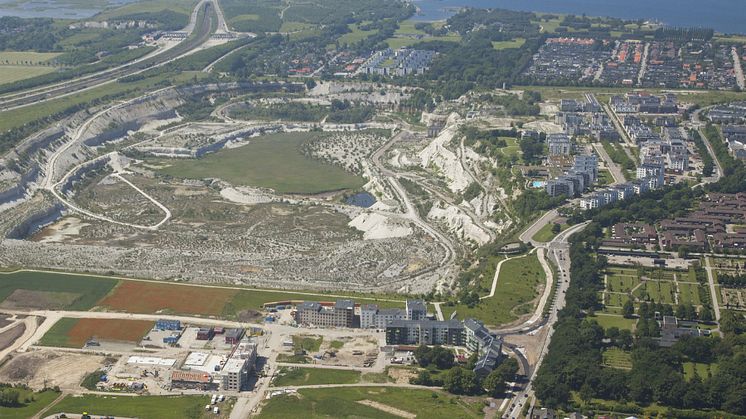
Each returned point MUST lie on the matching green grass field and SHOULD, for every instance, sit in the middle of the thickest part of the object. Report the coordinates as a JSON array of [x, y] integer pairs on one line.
[[404, 41], [290, 376], [149, 6], [689, 294], [273, 161], [13, 73], [703, 370], [545, 234], [307, 343], [90, 289], [26, 57], [336, 402], [356, 35], [27, 410], [515, 43], [621, 282], [144, 407], [617, 358], [608, 321], [658, 291], [517, 286]]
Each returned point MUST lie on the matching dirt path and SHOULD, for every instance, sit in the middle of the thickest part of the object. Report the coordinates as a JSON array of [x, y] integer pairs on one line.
[[51, 405], [388, 409]]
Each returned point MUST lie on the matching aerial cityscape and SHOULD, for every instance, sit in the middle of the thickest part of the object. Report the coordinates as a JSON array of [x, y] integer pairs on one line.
[[372, 209]]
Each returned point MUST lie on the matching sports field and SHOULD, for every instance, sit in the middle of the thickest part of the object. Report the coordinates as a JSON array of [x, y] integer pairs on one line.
[[371, 402], [151, 297], [74, 333], [52, 290], [273, 161]]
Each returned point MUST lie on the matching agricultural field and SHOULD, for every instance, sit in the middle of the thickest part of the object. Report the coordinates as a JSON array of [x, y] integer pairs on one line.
[[356, 35], [617, 358], [518, 286], [74, 333], [51, 290], [372, 402], [145, 407], [38, 401], [273, 161], [151, 297], [292, 376]]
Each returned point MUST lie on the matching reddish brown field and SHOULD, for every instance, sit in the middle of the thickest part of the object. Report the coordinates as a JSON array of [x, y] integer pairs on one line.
[[107, 330], [148, 297]]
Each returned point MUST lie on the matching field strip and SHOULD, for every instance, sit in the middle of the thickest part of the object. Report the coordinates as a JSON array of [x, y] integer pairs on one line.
[[227, 287], [388, 409]]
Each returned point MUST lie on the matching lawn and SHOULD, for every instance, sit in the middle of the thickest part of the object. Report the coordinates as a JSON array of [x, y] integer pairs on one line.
[[617, 282], [517, 287], [396, 42], [689, 294], [703, 370], [144, 407], [515, 43], [87, 289], [74, 333], [605, 177], [153, 297], [273, 161], [292, 376], [658, 291], [617, 358], [149, 6], [349, 402], [608, 321], [26, 410], [545, 234]]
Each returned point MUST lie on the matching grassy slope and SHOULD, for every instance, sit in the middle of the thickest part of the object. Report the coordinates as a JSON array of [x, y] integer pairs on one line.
[[516, 286], [13, 73], [273, 161]]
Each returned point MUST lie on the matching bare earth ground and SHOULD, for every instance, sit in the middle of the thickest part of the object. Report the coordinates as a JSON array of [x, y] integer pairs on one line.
[[38, 300], [10, 336], [40, 368]]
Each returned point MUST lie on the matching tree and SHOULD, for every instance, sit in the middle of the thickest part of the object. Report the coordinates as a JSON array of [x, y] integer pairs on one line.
[[494, 384], [452, 382], [629, 309], [556, 228]]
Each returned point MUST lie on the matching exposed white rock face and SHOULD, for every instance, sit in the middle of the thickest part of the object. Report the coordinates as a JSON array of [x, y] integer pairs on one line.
[[378, 226]]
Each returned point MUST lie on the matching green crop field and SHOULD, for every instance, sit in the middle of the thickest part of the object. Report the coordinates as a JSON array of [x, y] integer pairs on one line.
[[39, 401], [87, 290], [144, 407], [617, 358], [58, 335], [273, 161], [517, 287], [325, 403], [291, 376]]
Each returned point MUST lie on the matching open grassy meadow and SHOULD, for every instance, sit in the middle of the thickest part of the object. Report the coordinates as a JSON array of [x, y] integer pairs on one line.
[[13, 73], [273, 161], [545, 234], [514, 43], [37, 402], [40, 290], [291, 376], [611, 320], [371, 402], [144, 407], [517, 287], [74, 333]]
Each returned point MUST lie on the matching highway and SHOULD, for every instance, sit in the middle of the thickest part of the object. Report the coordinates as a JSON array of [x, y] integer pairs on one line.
[[206, 23]]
